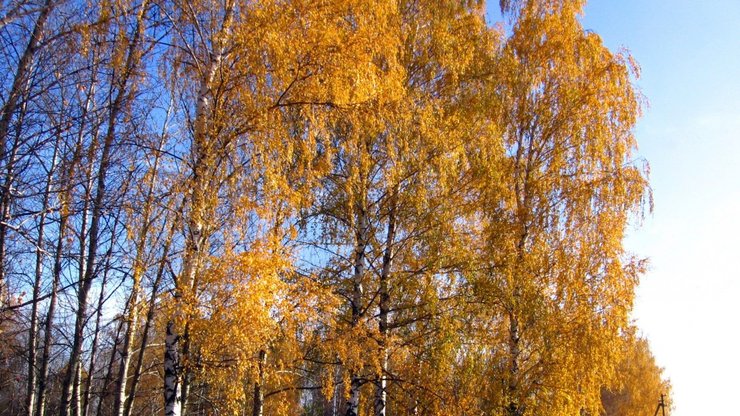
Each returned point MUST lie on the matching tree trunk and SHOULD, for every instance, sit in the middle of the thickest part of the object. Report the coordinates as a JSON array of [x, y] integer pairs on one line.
[[137, 274], [117, 106], [259, 393], [98, 315], [361, 242], [93, 351], [380, 404], [109, 372], [186, 373], [6, 196], [131, 325], [9, 108], [5, 216], [21, 75], [196, 233], [65, 192], [33, 328], [514, 407], [172, 398], [129, 403], [49, 325], [38, 276]]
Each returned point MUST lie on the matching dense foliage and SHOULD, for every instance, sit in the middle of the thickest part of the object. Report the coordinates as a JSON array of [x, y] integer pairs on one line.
[[286, 207]]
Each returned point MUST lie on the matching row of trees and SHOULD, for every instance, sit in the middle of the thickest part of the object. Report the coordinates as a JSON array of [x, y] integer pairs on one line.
[[316, 207]]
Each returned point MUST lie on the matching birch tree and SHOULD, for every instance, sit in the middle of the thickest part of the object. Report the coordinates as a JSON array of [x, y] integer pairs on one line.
[[558, 280], [122, 84], [235, 125], [299, 207]]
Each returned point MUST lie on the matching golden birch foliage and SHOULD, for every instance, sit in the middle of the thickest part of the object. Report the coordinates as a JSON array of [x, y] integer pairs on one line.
[[365, 192], [262, 78], [558, 282], [405, 160], [283, 65], [234, 317], [392, 109], [639, 381]]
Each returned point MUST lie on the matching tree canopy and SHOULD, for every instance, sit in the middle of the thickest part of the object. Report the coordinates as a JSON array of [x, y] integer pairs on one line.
[[325, 207]]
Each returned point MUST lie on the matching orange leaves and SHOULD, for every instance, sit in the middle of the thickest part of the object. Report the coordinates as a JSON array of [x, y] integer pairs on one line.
[[239, 299], [376, 199], [325, 53], [394, 191], [554, 216], [639, 382]]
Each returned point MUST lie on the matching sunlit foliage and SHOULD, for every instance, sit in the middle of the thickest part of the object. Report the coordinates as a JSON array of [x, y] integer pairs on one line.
[[284, 207]]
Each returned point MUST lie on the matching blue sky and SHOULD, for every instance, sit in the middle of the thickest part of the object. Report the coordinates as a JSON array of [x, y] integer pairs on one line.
[[688, 304]]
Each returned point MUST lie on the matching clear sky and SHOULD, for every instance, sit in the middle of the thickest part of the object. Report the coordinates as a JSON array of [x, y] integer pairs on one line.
[[688, 304]]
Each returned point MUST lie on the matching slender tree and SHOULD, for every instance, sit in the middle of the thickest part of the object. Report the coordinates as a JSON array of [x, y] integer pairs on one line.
[[556, 277]]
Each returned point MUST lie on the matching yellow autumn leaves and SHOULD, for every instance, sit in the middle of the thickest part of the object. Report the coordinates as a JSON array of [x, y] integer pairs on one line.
[[403, 210]]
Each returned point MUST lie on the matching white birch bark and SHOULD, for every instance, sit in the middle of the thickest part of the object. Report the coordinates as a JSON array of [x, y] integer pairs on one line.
[[129, 403], [196, 236], [259, 393], [172, 396], [361, 237], [380, 403], [138, 266]]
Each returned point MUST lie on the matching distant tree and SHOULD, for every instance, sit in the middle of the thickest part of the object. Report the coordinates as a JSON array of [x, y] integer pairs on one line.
[[639, 382]]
